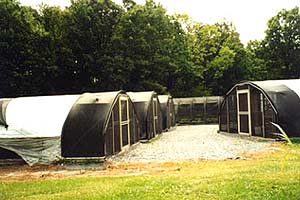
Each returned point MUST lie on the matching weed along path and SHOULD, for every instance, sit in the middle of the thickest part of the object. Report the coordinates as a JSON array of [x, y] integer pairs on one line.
[[192, 142]]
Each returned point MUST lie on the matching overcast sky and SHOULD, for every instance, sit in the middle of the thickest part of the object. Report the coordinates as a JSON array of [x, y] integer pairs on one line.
[[248, 16]]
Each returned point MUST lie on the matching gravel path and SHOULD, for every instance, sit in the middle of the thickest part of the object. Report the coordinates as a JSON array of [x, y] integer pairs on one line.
[[192, 142]]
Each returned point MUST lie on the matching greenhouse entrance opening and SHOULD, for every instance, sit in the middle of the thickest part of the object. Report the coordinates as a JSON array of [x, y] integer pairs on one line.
[[244, 114], [124, 125], [155, 116]]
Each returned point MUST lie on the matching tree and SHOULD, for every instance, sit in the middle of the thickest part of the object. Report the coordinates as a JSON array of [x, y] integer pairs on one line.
[[96, 45], [218, 57], [281, 46], [21, 48], [256, 64], [90, 62], [52, 19], [153, 48]]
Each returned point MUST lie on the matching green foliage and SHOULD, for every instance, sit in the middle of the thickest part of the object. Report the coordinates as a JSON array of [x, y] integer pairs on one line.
[[153, 47], [89, 32], [218, 56], [23, 56], [97, 45], [257, 66], [282, 134], [280, 49]]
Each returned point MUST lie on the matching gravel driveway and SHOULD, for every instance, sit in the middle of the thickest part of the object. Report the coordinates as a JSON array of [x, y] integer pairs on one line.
[[192, 142]]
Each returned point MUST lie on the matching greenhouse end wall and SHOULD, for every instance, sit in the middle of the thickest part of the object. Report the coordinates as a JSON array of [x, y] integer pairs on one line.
[[197, 110], [247, 110]]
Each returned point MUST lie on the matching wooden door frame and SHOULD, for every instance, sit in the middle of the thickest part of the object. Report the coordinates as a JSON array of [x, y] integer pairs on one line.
[[126, 122], [155, 117], [244, 91]]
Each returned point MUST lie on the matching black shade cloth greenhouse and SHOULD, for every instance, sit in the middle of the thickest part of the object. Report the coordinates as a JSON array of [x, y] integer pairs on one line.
[[92, 127], [252, 107], [148, 109], [168, 111]]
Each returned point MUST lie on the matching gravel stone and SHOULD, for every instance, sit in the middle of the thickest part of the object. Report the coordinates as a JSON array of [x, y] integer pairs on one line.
[[192, 142]]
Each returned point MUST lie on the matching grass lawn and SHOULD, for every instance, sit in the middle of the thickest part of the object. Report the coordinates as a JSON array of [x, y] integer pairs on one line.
[[274, 175]]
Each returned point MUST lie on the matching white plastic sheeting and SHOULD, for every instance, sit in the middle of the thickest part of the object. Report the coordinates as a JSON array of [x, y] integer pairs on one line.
[[42, 150], [39, 116], [35, 127]]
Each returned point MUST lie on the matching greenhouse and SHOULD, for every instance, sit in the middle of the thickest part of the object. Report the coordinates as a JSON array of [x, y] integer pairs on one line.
[[148, 110], [45, 129], [262, 108], [168, 111]]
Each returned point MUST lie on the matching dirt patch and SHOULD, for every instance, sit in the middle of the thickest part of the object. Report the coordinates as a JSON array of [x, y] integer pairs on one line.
[[256, 155], [179, 147], [21, 173], [25, 173]]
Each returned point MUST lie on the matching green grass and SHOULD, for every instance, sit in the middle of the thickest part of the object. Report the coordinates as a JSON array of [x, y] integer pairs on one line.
[[272, 176]]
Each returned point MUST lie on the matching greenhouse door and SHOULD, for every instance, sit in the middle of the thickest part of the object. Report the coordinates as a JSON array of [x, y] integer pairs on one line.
[[169, 115], [124, 122], [244, 112], [155, 117]]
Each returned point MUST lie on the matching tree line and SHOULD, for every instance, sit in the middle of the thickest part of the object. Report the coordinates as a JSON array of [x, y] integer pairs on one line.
[[97, 45]]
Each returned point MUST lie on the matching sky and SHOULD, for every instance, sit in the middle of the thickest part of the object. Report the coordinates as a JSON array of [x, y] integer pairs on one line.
[[248, 16]]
